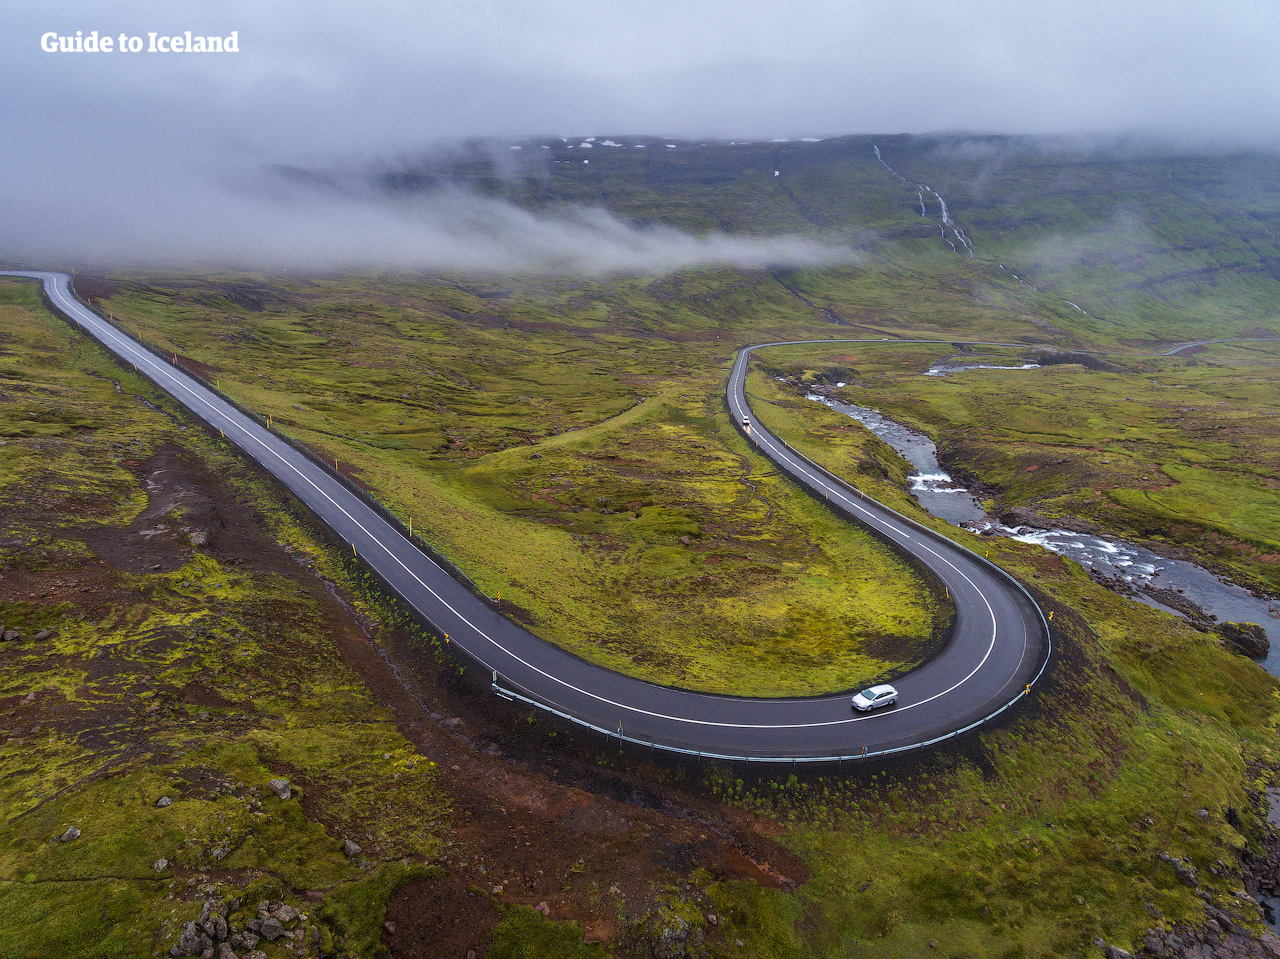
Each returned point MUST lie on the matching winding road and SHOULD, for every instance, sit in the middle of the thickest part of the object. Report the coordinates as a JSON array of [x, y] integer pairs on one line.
[[999, 646]]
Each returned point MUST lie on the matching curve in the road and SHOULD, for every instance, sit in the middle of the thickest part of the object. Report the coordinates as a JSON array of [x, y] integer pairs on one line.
[[1000, 643]]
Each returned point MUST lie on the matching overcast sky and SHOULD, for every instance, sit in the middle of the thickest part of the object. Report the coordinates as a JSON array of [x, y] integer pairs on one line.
[[317, 81]]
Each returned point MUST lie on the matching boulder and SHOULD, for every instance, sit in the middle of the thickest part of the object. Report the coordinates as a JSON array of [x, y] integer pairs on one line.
[[43, 635], [226, 952], [281, 788], [70, 834], [160, 865], [164, 801], [350, 848], [271, 929], [189, 942], [1247, 638]]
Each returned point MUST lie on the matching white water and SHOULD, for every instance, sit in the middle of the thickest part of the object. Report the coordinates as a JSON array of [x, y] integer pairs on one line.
[[946, 369], [946, 223], [935, 490]]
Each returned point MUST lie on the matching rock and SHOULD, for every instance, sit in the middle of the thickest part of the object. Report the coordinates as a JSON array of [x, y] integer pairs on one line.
[[226, 952], [188, 942], [543, 908], [1115, 952], [9, 635], [160, 865], [286, 914], [1203, 815], [163, 801], [43, 635], [390, 927], [1247, 638], [220, 928], [281, 788], [1186, 874], [271, 929], [351, 849], [70, 834], [199, 537]]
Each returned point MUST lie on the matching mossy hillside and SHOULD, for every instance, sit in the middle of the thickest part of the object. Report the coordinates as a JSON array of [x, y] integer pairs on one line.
[[710, 548], [1048, 832], [1051, 835], [1152, 244], [199, 684], [611, 506]]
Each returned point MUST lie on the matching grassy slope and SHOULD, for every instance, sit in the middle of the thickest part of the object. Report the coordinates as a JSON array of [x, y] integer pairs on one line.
[[643, 535], [1046, 833], [200, 683]]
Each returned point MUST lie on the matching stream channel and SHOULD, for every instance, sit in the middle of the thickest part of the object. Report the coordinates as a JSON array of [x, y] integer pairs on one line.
[[1143, 571]]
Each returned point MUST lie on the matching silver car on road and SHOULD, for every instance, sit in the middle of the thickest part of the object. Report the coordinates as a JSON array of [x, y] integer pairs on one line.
[[875, 697]]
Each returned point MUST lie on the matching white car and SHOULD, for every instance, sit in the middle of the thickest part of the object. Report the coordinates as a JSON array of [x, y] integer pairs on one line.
[[746, 421], [875, 697]]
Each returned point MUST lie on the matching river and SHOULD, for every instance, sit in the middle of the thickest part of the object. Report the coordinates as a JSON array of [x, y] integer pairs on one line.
[[935, 490]]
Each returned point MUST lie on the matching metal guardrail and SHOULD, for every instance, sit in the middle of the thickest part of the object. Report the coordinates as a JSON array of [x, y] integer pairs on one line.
[[839, 759], [513, 696], [449, 568]]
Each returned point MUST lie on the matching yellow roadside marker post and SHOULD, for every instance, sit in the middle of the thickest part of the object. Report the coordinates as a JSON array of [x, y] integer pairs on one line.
[[1051, 616]]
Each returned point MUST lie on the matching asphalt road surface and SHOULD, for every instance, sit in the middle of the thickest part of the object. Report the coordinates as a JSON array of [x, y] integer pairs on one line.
[[999, 644]]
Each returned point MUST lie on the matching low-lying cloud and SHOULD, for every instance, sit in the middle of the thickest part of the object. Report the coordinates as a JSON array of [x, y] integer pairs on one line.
[[275, 224]]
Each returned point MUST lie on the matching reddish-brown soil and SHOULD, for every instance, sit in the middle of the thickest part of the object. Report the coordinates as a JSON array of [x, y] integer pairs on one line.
[[535, 819]]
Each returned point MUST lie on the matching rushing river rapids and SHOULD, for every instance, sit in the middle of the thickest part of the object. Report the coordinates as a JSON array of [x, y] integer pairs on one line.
[[1141, 569]]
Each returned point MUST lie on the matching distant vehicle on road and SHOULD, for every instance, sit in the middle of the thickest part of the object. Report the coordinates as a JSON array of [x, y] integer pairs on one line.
[[874, 698], [746, 421]]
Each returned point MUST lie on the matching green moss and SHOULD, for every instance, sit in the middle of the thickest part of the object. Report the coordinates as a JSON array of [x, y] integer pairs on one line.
[[116, 722], [525, 933]]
